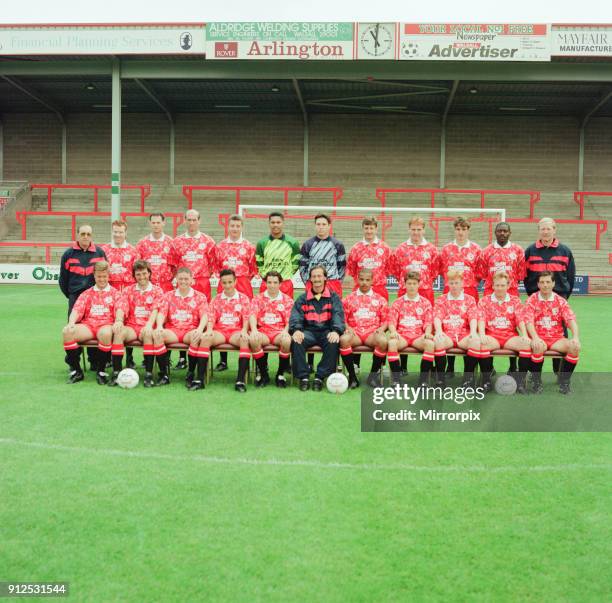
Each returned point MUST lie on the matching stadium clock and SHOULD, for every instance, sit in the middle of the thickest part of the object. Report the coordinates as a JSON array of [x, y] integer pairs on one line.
[[377, 39]]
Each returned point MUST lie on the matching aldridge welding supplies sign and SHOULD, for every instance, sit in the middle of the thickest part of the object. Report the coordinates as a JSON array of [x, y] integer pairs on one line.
[[272, 40], [474, 42]]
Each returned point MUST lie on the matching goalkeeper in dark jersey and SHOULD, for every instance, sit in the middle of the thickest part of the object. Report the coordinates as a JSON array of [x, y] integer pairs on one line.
[[324, 250], [278, 252]]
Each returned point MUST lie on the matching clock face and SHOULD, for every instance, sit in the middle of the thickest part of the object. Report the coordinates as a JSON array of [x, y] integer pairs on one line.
[[377, 40]]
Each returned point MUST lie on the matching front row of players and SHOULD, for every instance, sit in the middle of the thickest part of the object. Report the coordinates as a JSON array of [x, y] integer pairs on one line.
[[320, 317]]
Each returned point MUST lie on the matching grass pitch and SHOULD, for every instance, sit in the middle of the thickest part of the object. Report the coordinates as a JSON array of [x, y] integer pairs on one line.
[[165, 495]]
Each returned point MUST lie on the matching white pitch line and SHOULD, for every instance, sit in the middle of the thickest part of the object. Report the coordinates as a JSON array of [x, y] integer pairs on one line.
[[306, 463]]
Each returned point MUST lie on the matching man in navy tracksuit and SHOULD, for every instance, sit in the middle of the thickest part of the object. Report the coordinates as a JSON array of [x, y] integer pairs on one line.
[[77, 269], [317, 318]]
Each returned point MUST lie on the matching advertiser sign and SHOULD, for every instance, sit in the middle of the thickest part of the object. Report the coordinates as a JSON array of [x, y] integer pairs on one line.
[[30, 274], [473, 42], [105, 40], [376, 41], [276, 40], [581, 41]]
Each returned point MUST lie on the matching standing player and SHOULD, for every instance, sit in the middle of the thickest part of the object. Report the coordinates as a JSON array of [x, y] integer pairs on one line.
[[366, 314], [546, 315], [229, 323], [139, 313], [416, 255], [410, 325], [121, 257], [456, 324], [269, 323], [93, 316], [279, 252], [181, 318], [237, 254], [503, 256], [461, 255], [324, 250], [196, 251], [373, 254], [156, 249], [500, 317]]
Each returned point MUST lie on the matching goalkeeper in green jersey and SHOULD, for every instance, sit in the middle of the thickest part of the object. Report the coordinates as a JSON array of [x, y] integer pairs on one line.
[[278, 251]]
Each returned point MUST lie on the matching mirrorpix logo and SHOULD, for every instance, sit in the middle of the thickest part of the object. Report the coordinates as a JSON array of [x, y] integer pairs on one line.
[[186, 40], [226, 50]]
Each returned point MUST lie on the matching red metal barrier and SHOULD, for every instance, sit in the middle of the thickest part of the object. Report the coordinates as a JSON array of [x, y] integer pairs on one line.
[[47, 245], [600, 225], [580, 198], [534, 196], [145, 191], [189, 188], [22, 218]]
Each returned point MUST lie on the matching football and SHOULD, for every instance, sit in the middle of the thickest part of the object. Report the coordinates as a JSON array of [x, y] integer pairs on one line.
[[337, 383], [128, 378], [505, 385]]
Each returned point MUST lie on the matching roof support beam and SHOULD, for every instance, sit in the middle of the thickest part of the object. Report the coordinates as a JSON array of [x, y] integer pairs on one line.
[[155, 98], [298, 92], [449, 102], [602, 101], [39, 98]]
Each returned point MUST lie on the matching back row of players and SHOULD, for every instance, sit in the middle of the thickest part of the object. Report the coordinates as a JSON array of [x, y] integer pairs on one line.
[[188, 314]]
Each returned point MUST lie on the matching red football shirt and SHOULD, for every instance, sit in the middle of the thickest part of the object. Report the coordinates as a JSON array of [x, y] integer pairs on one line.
[[120, 260], [376, 256], [196, 253], [465, 259], [238, 256], [456, 314], [272, 313], [365, 312], [501, 318], [97, 307], [183, 313], [230, 313], [423, 258], [410, 317], [548, 316], [140, 303], [158, 252], [495, 258]]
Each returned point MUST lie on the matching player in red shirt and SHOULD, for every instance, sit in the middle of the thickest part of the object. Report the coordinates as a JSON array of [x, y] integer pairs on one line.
[[121, 257], [411, 325], [463, 255], [456, 324], [156, 249], [181, 318], [139, 313], [92, 317], [373, 254], [269, 322], [546, 313], [500, 317], [237, 254], [503, 256], [229, 323], [416, 255], [366, 314]]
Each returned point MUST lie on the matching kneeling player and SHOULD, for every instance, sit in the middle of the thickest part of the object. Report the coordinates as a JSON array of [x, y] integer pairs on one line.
[[456, 324], [92, 317], [500, 316], [410, 325], [366, 314], [545, 314], [141, 304], [182, 318], [269, 323], [229, 323]]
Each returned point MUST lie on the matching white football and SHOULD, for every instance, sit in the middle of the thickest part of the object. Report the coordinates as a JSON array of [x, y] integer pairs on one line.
[[337, 383], [505, 385], [128, 378]]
